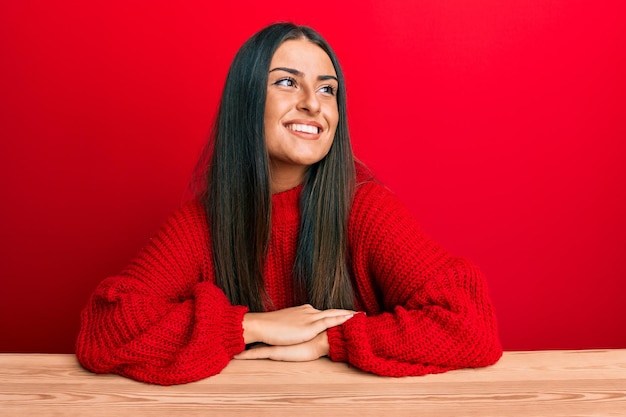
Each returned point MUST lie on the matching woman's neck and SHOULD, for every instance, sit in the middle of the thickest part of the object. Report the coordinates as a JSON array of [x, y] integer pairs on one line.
[[284, 178]]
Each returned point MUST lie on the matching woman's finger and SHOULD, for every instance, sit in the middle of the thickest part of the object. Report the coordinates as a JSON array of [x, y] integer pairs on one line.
[[327, 322], [334, 312]]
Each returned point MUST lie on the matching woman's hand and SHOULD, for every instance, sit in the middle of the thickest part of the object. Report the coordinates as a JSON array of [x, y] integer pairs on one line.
[[302, 352], [291, 326]]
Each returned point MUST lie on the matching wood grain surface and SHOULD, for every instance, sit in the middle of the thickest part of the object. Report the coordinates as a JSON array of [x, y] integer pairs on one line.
[[544, 383]]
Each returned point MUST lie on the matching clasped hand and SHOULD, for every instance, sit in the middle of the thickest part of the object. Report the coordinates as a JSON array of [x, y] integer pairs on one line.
[[292, 334]]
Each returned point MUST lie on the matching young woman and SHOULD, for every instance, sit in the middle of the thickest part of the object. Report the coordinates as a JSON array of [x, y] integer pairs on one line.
[[290, 249]]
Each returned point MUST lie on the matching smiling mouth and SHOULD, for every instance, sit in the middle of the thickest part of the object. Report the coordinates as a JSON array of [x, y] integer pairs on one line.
[[304, 128]]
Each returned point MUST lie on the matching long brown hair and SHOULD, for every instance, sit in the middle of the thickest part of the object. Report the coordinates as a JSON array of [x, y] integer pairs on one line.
[[236, 189]]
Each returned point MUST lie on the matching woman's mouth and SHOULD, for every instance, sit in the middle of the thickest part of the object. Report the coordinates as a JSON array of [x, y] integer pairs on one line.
[[296, 127]]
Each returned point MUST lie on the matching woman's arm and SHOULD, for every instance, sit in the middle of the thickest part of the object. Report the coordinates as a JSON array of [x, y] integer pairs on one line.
[[163, 320], [429, 311]]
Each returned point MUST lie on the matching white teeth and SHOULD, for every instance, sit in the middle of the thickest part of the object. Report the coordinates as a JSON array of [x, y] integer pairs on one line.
[[304, 128]]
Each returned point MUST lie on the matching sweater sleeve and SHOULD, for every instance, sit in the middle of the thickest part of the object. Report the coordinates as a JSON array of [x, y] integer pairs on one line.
[[163, 320], [427, 311]]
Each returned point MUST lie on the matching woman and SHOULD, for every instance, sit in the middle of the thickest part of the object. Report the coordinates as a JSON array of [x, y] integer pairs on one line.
[[291, 248]]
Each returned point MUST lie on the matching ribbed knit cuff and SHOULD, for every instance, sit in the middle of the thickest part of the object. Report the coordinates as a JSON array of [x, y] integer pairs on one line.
[[233, 330], [337, 344]]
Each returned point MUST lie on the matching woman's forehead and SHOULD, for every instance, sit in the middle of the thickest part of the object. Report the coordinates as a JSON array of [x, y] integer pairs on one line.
[[304, 56]]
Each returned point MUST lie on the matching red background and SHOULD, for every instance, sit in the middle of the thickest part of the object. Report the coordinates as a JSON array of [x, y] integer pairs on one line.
[[502, 126]]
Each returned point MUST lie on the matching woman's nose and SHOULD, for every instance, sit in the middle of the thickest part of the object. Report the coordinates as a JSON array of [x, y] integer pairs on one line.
[[309, 101]]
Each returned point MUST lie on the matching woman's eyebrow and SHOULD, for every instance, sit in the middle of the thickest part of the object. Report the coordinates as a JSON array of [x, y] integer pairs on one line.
[[289, 70], [327, 77], [300, 74]]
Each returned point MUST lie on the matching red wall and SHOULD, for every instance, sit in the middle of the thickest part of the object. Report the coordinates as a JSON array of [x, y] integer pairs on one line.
[[502, 125]]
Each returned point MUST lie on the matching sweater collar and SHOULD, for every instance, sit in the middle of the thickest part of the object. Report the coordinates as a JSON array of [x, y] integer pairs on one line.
[[286, 206]]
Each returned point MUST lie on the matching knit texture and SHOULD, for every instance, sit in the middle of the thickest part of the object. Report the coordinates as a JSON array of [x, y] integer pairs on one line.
[[163, 321]]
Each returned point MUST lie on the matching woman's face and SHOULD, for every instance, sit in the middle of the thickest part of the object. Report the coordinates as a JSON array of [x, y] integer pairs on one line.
[[300, 111]]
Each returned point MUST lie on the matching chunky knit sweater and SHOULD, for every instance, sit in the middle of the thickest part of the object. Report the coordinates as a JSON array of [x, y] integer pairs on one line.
[[163, 320]]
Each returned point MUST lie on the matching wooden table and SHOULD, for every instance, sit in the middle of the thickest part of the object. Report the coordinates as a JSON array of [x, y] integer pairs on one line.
[[545, 383]]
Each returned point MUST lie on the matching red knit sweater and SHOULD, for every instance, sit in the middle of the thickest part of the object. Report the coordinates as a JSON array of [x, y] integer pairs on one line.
[[163, 320]]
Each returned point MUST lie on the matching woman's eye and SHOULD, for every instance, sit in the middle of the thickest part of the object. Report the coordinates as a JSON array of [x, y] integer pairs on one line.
[[286, 82], [328, 89]]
